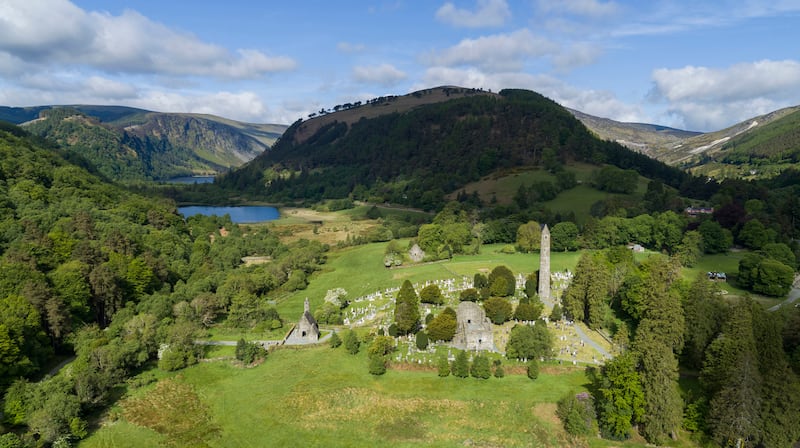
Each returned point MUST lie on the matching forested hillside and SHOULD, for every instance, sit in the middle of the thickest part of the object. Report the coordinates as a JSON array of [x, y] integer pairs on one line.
[[89, 268], [129, 145], [415, 157]]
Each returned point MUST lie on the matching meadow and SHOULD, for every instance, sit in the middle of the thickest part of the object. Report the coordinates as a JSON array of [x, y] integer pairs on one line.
[[325, 397], [318, 396]]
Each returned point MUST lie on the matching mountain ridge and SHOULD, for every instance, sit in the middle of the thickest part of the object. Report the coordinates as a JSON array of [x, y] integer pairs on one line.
[[146, 145], [694, 151]]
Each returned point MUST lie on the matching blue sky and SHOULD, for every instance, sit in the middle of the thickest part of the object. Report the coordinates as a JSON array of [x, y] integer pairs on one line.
[[698, 65]]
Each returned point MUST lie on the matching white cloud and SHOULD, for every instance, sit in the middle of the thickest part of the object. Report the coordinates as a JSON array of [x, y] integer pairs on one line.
[[587, 8], [109, 89], [579, 54], [712, 98], [384, 74], [489, 13], [347, 47], [499, 52], [56, 31]]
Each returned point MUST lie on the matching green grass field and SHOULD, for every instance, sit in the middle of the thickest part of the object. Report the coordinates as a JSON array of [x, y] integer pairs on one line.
[[359, 270], [324, 397]]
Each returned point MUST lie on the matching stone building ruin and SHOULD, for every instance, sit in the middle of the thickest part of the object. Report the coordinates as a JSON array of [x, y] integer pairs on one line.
[[474, 329], [306, 331]]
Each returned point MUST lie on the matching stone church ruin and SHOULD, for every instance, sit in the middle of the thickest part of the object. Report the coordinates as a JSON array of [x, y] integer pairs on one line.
[[306, 331], [474, 329]]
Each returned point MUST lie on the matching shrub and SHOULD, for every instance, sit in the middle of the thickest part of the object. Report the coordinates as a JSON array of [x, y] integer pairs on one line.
[[460, 367], [499, 372], [377, 365], [443, 366], [577, 413], [249, 352], [422, 340], [351, 342], [335, 340], [533, 369], [431, 294], [480, 367]]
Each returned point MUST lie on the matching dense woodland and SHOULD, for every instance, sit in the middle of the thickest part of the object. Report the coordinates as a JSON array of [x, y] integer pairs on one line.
[[91, 269]]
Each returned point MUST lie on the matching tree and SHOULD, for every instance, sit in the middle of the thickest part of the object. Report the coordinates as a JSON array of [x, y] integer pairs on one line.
[[443, 326], [663, 410], [460, 367], [480, 367], [498, 310], [659, 337], [529, 341], [502, 282], [620, 399], [529, 237], [381, 346], [780, 252], [335, 340], [469, 295], [716, 239], [690, 249], [351, 342], [586, 297], [774, 278], [732, 377], [564, 236], [529, 311], [704, 311], [556, 313], [406, 311], [480, 281], [754, 235], [431, 294]]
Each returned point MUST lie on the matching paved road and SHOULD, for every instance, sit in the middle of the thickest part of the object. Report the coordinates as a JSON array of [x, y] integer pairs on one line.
[[794, 294], [591, 343]]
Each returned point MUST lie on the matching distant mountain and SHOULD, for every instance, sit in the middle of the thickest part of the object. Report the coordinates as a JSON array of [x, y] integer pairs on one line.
[[413, 149], [649, 139], [760, 147], [131, 144]]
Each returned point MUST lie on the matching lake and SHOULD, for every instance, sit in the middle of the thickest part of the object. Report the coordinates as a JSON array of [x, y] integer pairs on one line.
[[239, 214], [191, 180]]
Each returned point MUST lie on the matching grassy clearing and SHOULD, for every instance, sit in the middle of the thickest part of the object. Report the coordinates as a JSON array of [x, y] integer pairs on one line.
[[324, 397], [728, 263], [503, 187], [578, 200], [359, 270]]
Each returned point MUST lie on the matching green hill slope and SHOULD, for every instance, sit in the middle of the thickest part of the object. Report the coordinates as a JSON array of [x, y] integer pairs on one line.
[[762, 150], [129, 144], [417, 154]]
